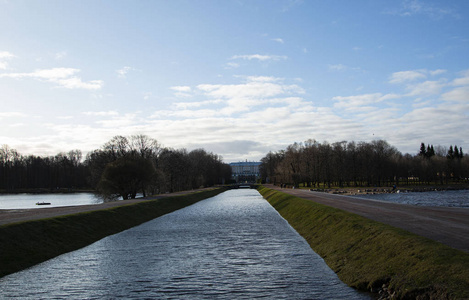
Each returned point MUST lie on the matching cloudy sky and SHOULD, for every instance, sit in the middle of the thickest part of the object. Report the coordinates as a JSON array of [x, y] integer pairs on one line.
[[239, 78]]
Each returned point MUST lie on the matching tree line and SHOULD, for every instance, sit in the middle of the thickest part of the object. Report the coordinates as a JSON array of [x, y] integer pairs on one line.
[[122, 168], [19, 172], [351, 164]]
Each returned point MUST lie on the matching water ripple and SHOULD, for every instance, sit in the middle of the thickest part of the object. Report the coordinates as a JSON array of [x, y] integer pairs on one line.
[[233, 246]]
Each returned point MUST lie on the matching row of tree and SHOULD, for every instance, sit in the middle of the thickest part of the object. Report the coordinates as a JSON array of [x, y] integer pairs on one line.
[[429, 151], [127, 166], [122, 167], [373, 163], [35, 172]]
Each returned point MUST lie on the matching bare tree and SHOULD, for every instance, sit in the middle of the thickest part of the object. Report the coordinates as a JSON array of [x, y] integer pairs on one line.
[[145, 146]]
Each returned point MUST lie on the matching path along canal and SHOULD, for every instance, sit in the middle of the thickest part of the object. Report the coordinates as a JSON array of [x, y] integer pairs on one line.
[[232, 246]]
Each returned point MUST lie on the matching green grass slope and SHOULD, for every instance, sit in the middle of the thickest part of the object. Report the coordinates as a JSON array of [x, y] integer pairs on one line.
[[25, 244], [367, 254]]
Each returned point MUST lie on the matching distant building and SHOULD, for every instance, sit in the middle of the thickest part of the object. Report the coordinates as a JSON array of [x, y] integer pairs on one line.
[[245, 171]]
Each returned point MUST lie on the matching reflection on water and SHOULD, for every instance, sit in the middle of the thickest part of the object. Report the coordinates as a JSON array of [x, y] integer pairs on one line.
[[25, 201], [232, 246], [435, 198]]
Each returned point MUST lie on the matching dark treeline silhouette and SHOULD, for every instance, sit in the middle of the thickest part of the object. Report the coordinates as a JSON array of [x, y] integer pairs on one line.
[[127, 166], [64, 170], [122, 167], [376, 163]]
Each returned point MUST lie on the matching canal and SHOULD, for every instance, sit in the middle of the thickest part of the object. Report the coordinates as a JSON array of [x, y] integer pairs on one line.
[[232, 246]]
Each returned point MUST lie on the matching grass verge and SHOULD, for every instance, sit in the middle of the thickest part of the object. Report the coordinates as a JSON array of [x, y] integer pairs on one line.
[[25, 244], [368, 255]]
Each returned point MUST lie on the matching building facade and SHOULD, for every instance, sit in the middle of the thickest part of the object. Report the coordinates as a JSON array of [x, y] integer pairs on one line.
[[245, 171]]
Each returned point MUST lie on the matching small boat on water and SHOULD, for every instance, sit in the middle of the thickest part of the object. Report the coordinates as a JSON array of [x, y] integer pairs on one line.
[[42, 203]]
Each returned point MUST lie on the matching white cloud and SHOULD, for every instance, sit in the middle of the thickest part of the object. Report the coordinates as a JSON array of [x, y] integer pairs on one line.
[[181, 113], [249, 90], [65, 117], [406, 76], [274, 113], [77, 83], [187, 105], [4, 56], [278, 40], [360, 101], [51, 74], [458, 94], [337, 67], [60, 55], [122, 73], [464, 80], [341, 67], [12, 115], [415, 7], [412, 80], [236, 98], [211, 121], [182, 91], [16, 125], [119, 121], [101, 113], [426, 88], [260, 57], [437, 72], [63, 77], [232, 65], [181, 88], [147, 95], [263, 78], [413, 75]]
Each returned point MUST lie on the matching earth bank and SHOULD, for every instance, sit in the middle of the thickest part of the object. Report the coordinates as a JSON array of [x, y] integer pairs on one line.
[[372, 256], [24, 244]]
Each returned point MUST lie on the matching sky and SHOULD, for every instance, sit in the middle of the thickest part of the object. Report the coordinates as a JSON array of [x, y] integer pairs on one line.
[[238, 78]]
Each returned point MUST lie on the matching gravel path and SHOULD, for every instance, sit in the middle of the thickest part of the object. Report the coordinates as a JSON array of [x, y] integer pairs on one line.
[[447, 225]]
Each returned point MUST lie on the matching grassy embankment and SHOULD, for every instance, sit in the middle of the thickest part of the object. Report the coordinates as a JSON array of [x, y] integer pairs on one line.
[[366, 254], [25, 244]]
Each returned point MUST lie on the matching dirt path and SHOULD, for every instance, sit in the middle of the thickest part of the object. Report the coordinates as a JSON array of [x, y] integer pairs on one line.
[[447, 225], [19, 215]]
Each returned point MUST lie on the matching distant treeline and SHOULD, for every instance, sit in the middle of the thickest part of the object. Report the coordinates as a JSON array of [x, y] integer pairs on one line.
[[375, 163], [122, 167]]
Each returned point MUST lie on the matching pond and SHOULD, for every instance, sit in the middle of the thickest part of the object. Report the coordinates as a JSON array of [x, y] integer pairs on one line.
[[459, 198], [26, 201]]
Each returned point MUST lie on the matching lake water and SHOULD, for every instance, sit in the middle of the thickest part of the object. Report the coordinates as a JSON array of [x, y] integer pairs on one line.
[[435, 198], [25, 201], [232, 246]]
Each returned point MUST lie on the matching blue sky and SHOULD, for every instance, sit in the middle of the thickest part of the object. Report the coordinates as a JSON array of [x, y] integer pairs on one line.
[[238, 78]]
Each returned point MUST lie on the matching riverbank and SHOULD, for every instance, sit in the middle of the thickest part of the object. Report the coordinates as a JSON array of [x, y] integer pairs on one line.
[[372, 256], [30, 242]]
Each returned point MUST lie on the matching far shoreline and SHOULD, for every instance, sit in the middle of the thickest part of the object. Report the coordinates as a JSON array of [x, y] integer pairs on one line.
[[39, 191], [363, 190]]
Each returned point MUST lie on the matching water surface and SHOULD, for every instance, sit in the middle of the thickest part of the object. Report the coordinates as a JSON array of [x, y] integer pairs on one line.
[[26, 201], [232, 246], [434, 198]]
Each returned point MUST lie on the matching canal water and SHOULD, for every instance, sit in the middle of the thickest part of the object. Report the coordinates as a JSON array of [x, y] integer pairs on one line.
[[232, 246]]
